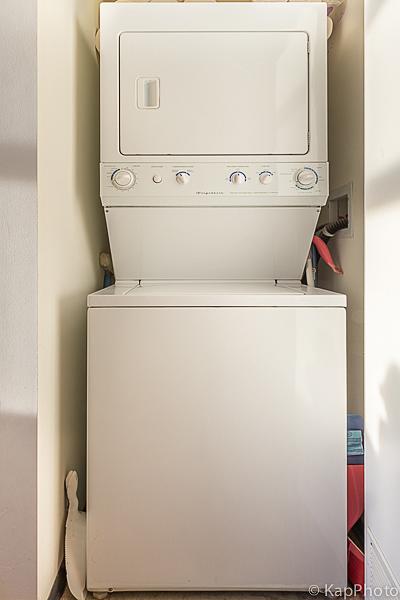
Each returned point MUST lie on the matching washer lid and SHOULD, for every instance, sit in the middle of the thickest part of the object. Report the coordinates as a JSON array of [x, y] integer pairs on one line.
[[222, 293]]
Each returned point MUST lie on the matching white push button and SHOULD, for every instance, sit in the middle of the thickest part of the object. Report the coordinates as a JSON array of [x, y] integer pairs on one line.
[[157, 178]]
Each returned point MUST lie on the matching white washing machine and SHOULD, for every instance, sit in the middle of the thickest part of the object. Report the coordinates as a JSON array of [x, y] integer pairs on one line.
[[216, 437], [216, 381]]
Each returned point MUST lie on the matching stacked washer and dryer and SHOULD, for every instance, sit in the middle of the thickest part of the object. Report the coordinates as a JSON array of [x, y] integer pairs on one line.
[[217, 382]]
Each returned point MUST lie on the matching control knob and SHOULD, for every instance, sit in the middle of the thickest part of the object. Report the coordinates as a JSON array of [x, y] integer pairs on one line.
[[123, 179], [237, 178], [182, 177], [306, 178], [266, 177]]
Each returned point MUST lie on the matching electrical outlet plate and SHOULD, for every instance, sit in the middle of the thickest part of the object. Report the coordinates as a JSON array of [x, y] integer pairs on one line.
[[340, 205]]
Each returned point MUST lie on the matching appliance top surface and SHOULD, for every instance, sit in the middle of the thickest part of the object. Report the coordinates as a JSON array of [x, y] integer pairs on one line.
[[222, 293], [282, 9]]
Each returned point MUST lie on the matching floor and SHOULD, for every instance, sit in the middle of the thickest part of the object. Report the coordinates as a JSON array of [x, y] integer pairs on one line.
[[203, 596]]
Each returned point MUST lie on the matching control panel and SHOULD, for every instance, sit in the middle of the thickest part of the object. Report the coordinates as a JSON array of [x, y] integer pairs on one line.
[[214, 183]]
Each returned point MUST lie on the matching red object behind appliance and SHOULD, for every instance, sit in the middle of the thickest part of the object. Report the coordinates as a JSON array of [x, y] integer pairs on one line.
[[355, 494], [355, 565], [325, 254]]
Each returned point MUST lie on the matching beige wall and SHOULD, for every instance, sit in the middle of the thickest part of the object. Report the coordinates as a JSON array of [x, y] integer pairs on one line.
[[346, 148], [382, 282], [71, 234], [18, 300]]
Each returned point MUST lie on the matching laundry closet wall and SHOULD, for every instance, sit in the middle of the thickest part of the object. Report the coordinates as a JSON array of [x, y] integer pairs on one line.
[[71, 235], [18, 305], [346, 158], [382, 290]]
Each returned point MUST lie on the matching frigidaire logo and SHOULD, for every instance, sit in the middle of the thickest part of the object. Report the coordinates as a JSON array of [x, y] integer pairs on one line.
[[210, 193]]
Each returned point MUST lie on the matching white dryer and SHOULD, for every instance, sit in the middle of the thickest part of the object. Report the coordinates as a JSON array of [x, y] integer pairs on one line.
[[216, 381], [213, 137]]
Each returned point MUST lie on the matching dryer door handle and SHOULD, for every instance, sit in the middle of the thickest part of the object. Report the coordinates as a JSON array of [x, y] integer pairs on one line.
[[148, 92]]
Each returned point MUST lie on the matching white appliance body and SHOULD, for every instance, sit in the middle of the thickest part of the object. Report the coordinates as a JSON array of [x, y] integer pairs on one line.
[[216, 383], [216, 437], [221, 80], [212, 106]]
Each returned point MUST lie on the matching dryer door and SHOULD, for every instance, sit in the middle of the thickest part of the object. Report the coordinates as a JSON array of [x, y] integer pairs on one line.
[[214, 93]]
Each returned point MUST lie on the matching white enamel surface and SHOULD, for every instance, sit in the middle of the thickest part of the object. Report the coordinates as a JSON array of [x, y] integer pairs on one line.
[[210, 243], [216, 449], [213, 293], [221, 86], [212, 86], [206, 97], [214, 184]]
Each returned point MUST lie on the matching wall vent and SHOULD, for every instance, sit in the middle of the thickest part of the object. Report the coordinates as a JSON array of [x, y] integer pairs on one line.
[[340, 205]]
